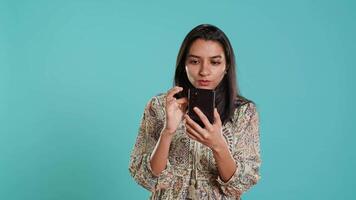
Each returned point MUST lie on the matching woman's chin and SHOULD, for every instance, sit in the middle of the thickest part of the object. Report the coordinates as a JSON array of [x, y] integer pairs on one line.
[[207, 87], [204, 87]]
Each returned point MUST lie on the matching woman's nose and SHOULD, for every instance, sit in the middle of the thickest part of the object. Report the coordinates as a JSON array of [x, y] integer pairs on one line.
[[204, 69]]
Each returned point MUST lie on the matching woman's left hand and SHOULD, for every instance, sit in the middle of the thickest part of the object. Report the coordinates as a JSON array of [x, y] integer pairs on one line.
[[211, 135]]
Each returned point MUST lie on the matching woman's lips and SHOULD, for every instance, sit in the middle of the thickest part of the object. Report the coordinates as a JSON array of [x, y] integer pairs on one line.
[[204, 82]]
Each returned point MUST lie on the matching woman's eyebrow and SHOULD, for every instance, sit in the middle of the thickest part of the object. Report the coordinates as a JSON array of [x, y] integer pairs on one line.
[[216, 56], [195, 56]]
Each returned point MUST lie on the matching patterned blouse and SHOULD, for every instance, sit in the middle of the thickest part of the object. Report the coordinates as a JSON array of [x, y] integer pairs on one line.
[[191, 171]]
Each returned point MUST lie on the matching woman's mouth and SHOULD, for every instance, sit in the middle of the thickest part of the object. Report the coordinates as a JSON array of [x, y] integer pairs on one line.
[[204, 82]]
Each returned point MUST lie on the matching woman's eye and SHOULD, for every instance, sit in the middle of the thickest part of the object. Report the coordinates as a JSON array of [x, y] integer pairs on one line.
[[194, 62], [215, 63]]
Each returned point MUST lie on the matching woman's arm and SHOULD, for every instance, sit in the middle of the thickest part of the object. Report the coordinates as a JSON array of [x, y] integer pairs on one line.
[[146, 141], [246, 153], [224, 160], [212, 137], [175, 108], [238, 170], [159, 156]]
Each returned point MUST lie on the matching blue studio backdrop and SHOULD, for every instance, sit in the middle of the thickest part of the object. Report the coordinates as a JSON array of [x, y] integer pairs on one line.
[[75, 77]]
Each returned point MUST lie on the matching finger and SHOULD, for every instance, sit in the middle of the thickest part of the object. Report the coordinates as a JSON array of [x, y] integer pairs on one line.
[[183, 100], [169, 103], [196, 127], [193, 133], [191, 136], [183, 103], [171, 100], [202, 117], [173, 91], [217, 119]]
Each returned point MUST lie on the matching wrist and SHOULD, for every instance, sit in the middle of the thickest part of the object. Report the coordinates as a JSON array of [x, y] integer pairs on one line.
[[220, 146], [167, 134]]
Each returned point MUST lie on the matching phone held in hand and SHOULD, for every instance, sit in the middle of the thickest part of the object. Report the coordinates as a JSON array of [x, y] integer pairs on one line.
[[183, 93], [204, 99]]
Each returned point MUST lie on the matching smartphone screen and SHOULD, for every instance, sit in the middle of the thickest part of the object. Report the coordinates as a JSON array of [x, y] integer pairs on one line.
[[204, 99]]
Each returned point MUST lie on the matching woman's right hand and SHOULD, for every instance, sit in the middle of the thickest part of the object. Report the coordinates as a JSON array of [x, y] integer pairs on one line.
[[175, 110]]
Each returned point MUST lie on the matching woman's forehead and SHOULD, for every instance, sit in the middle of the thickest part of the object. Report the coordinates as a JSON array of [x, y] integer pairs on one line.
[[206, 48]]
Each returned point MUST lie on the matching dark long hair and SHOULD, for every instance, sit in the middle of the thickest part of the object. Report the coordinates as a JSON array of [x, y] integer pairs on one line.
[[227, 97]]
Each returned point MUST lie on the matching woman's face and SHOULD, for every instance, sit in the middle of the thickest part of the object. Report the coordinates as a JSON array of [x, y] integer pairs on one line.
[[205, 64]]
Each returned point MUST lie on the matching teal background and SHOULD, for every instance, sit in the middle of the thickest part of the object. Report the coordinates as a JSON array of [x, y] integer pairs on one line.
[[75, 77]]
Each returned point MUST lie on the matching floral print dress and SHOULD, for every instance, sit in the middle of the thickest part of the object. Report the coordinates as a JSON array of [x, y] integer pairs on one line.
[[191, 171]]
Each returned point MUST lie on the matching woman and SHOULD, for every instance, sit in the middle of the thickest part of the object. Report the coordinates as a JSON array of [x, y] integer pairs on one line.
[[174, 157]]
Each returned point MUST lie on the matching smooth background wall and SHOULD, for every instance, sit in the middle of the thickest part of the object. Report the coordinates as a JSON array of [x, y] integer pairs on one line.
[[75, 77]]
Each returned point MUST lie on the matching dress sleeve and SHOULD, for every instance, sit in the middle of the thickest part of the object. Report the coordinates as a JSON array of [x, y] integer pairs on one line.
[[148, 134], [246, 153]]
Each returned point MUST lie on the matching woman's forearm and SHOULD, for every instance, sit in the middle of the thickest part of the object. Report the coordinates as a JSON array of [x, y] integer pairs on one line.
[[225, 162], [159, 156]]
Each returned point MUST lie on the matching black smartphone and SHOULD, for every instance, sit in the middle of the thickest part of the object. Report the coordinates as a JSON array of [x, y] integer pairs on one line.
[[204, 99], [183, 93]]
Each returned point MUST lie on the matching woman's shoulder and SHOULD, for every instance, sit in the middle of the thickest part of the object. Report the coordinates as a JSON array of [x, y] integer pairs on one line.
[[242, 101], [244, 105], [156, 101], [159, 98]]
